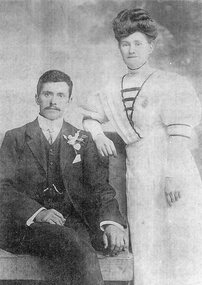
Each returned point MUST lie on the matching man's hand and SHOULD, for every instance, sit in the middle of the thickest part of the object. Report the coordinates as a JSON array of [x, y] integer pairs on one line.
[[172, 194], [115, 239], [50, 216], [105, 146]]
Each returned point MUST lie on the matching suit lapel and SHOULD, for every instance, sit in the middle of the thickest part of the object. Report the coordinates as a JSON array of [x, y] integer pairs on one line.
[[34, 133], [67, 152]]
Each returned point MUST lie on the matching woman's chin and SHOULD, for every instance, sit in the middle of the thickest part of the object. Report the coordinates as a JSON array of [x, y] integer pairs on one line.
[[134, 67]]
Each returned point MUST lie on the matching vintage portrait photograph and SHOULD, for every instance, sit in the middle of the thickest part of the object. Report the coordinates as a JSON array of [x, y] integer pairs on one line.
[[101, 142]]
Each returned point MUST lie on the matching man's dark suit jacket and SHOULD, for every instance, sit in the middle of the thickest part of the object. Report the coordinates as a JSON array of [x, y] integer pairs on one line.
[[23, 168]]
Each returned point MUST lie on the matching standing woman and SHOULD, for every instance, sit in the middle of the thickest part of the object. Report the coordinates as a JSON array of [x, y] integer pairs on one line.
[[154, 113]]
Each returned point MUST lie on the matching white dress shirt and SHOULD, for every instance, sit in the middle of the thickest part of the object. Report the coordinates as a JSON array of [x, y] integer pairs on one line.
[[50, 126]]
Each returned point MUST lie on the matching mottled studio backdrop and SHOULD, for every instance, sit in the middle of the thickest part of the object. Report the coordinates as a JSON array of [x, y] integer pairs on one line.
[[76, 36]]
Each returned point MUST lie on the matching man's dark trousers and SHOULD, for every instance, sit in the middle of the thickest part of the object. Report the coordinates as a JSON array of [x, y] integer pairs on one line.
[[68, 251]]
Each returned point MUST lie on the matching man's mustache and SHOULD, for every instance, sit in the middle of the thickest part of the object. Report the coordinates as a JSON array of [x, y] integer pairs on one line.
[[52, 108]]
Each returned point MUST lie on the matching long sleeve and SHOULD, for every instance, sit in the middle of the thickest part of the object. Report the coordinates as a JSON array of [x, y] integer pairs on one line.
[[94, 115], [181, 112], [96, 177], [95, 108], [31, 219], [12, 198], [92, 126]]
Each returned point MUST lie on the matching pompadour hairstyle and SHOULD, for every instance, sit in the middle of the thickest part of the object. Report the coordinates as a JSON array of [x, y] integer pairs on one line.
[[130, 21], [54, 76]]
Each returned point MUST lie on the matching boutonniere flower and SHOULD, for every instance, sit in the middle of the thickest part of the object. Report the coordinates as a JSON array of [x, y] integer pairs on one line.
[[75, 140]]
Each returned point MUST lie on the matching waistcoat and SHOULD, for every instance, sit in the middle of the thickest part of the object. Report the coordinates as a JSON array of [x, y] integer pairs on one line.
[[54, 194]]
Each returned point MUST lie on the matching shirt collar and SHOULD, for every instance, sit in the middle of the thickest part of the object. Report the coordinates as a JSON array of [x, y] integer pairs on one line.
[[53, 125]]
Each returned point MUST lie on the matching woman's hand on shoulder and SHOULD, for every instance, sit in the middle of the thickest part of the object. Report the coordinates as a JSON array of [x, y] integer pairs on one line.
[[173, 194], [105, 146]]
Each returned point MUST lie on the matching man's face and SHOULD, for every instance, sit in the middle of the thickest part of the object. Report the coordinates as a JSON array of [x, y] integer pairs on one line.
[[53, 99]]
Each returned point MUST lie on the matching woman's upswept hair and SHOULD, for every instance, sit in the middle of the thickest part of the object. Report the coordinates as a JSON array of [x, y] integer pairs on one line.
[[130, 21]]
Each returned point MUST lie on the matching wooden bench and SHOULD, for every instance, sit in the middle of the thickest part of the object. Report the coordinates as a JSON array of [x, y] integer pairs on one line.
[[26, 267], [118, 268]]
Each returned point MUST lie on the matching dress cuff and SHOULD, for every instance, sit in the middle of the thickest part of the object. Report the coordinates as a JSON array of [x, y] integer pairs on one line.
[[31, 219], [92, 126], [104, 223], [182, 130]]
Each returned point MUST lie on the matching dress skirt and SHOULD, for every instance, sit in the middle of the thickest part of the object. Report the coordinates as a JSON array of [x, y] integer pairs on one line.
[[166, 241]]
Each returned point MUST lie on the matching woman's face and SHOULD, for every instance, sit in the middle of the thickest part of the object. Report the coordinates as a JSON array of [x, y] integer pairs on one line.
[[135, 49]]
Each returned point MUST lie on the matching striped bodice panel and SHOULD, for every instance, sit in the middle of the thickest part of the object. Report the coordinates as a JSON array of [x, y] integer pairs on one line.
[[129, 96]]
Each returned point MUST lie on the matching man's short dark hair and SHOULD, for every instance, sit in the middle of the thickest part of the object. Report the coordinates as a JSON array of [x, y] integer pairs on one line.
[[54, 76]]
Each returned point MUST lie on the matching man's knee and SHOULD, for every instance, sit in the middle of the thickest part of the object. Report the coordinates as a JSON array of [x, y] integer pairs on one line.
[[61, 241]]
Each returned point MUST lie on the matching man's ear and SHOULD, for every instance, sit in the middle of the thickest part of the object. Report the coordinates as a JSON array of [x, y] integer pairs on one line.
[[37, 99]]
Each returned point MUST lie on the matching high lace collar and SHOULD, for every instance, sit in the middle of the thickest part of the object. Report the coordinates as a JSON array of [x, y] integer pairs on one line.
[[146, 69]]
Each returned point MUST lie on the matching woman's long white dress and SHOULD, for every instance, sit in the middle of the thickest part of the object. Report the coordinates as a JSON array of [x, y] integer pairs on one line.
[[166, 241]]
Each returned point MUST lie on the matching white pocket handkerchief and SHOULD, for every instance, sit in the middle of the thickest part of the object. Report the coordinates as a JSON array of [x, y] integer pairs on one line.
[[77, 158]]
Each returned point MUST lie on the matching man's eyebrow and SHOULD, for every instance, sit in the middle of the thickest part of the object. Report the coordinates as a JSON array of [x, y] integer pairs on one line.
[[47, 92], [124, 41]]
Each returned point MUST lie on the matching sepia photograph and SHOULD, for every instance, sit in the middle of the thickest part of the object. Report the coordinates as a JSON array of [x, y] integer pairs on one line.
[[101, 142]]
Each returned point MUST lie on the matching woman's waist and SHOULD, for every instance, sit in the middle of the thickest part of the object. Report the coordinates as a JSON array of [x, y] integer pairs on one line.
[[156, 134]]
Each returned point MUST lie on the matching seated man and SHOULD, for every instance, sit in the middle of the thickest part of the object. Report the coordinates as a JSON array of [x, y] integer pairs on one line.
[[54, 192]]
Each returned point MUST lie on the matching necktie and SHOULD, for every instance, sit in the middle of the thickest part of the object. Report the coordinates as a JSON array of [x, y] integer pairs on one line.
[[50, 133]]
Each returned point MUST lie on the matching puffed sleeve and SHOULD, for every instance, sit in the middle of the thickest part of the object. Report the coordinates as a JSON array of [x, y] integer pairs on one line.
[[93, 108], [180, 112], [94, 115]]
